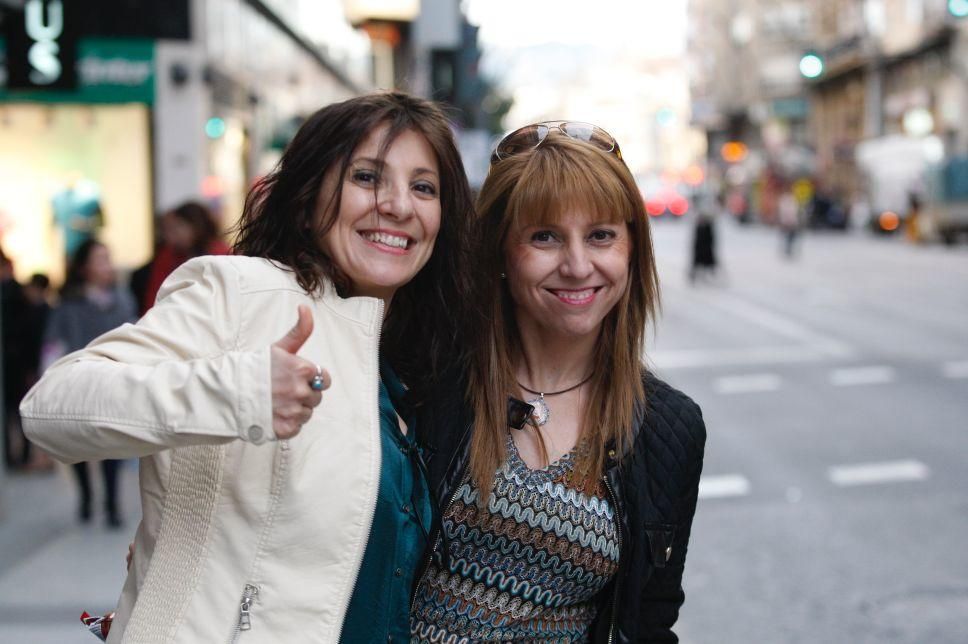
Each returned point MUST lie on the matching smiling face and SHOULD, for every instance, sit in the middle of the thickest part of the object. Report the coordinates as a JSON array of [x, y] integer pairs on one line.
[[566, 276], [388, 216]]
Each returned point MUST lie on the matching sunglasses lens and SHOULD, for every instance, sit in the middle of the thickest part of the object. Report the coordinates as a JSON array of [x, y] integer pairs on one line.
[[521, 140], [590, 134]]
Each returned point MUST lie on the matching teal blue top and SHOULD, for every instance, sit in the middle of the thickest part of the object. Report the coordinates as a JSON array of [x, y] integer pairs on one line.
[[379, 609]]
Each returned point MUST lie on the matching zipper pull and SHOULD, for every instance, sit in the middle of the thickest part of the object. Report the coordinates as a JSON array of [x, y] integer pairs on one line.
[[245, 619]]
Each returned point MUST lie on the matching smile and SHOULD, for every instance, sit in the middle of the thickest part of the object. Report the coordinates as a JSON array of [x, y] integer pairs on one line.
[[575, 297], [386, 241]]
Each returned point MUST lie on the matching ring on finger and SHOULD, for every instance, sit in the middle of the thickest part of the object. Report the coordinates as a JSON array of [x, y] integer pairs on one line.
[[316, 384]]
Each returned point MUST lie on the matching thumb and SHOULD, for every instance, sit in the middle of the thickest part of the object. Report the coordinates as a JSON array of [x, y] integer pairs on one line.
[[292, 341]]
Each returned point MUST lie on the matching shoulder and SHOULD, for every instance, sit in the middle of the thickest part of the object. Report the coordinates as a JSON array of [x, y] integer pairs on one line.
[[229, 273], [671, 415]]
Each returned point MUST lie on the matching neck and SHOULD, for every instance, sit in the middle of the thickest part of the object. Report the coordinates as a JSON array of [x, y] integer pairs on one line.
[[550, 362]]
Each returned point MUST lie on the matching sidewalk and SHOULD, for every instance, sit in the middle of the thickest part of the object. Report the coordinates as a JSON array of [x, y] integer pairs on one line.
[[52, 568]]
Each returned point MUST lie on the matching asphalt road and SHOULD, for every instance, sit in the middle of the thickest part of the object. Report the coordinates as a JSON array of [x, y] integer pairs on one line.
[[834, 500]]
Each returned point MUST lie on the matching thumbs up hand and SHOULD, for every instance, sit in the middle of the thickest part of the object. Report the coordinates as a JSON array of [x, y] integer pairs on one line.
[[294, 392]]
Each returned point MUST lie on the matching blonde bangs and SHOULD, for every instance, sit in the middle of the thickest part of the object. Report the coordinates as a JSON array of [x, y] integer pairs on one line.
[[557, 182]]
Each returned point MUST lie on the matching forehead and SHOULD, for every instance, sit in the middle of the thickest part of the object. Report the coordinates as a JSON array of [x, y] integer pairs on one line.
[[407, 147]]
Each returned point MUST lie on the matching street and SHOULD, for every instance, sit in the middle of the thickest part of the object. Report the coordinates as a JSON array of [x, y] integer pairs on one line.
[[832, 508]]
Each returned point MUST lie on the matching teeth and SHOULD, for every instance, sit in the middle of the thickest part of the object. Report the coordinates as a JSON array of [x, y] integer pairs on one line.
[[576, 295], [387, 239]]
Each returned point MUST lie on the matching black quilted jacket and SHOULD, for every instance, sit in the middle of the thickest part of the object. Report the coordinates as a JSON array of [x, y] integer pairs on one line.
[[654, 488]]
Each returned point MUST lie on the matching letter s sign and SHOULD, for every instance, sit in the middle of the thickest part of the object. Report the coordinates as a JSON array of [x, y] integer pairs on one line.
[[41, 46], [42, 55]]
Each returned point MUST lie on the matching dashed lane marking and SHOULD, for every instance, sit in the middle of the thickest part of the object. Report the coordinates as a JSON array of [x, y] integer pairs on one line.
[[875, 473], [718, 487], [955, 369], [748, 383], [850, 376]]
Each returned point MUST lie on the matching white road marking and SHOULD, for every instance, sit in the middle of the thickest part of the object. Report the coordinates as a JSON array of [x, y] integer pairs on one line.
[[692, 358], [956, 369], [874, 473], [850, 376], [719, 487], [781, 325], [748, 383]]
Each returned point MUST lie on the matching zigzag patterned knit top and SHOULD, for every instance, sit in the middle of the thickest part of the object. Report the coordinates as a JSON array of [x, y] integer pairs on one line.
[[527, 567]]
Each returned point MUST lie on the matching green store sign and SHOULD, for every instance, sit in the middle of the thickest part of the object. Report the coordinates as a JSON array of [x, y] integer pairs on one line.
[[112, 70]]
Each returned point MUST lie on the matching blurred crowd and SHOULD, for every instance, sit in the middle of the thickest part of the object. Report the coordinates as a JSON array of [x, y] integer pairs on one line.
[[40, 325]]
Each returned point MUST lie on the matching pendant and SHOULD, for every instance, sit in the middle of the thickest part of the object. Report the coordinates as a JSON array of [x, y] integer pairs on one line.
[[541, 412]]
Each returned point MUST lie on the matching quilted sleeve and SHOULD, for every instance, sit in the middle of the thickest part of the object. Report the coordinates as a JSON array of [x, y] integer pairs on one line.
[[668, 541]]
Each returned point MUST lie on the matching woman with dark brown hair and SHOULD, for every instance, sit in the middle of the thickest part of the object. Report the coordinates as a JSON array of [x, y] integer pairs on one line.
[[265, 507], [570, 476]]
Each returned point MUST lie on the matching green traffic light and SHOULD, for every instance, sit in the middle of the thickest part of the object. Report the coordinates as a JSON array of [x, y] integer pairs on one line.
[[214, 127], [811, 65]]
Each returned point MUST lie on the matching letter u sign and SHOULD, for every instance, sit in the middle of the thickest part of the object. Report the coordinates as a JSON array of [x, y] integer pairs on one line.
[[44, 24]]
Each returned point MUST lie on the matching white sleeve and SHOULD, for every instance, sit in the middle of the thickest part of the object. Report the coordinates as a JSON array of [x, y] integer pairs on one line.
[[175, 378]]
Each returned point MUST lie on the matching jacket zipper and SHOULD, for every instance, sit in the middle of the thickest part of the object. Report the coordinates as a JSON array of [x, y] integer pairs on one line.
[[245, 622], [372, 509], [438, 540], [618, 532]]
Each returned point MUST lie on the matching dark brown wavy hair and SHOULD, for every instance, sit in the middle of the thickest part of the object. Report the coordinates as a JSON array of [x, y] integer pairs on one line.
[[280, 222], [540, 186]]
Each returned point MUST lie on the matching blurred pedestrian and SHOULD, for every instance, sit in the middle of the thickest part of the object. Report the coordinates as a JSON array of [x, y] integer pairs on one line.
[[788, 218], [91, 304], [13, 326], [703, 247], [37, 295], [912, 219], [187, 231]]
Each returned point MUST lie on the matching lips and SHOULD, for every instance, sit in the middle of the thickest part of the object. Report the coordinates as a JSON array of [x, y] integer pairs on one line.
[[575, 297], [387, 240]]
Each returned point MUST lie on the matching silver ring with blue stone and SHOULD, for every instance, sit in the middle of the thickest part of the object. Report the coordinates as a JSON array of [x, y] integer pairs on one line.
[[316, 384]]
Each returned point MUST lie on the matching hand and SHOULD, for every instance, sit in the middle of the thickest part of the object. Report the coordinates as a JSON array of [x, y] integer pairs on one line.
[[293, 400]]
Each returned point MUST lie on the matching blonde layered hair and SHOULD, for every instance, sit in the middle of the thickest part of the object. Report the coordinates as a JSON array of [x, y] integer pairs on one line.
[[542, 185]]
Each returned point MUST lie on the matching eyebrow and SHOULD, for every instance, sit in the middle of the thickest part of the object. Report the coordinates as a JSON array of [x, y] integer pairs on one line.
[[380, 163]]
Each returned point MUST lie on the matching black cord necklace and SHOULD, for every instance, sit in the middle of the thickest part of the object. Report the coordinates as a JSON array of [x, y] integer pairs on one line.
[[541, 411]]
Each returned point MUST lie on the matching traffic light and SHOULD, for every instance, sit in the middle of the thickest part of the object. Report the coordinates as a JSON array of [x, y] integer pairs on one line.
[[811, 64], [958, 8], [733, 151]]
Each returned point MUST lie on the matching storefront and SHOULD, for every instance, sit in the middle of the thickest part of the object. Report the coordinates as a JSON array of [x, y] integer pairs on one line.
[[77, 163]]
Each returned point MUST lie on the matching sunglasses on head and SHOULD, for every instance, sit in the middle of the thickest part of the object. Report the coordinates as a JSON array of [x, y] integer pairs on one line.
[[531, 136]]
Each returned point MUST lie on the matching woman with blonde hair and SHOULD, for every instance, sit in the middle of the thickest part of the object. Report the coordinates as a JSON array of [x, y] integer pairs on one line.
[[569, 477]]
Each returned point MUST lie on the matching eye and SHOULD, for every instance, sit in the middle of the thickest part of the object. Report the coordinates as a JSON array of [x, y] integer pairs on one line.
[[426, 188], [602, 235], [543, 237], [365, 177]]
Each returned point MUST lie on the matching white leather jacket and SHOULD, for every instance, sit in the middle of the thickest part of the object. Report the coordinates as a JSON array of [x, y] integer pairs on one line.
[[243, 537]]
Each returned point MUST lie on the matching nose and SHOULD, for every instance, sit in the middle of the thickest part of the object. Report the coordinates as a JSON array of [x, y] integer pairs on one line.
[[394, 200], [576, 263]]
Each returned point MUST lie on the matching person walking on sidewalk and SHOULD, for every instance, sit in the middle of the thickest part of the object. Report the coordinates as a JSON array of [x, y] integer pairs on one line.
[[261, 499], [90, 304]]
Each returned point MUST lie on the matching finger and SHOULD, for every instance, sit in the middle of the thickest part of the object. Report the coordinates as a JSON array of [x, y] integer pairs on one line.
[[305, 416], [297, 336], [315, 399]]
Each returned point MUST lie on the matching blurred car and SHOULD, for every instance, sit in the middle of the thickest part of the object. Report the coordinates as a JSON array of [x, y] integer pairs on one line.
[[665, 201]]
